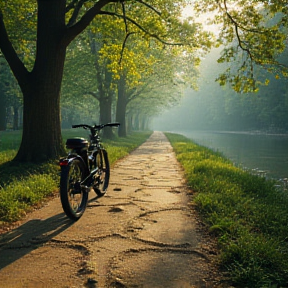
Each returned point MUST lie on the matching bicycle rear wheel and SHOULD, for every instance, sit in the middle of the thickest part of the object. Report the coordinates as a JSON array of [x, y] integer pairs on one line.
[[73, 197], [103, 173]]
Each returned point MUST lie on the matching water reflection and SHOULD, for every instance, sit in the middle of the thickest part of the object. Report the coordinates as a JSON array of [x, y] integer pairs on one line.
[[268, 153]]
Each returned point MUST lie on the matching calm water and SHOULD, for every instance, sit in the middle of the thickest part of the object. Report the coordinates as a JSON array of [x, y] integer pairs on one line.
[[268, 153]]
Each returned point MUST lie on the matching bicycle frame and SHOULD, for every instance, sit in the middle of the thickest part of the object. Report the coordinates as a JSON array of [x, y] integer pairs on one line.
[[85, 168], [85, 150]]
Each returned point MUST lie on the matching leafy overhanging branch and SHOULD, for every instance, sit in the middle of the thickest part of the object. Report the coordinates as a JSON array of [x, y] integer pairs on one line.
[[74, 28], [152, 35], [241, 43], [255, 48], [237, 26], [150, 7]]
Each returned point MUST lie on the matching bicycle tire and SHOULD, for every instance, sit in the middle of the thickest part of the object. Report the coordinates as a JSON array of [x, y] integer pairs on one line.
[[103, 173], [73, 198]]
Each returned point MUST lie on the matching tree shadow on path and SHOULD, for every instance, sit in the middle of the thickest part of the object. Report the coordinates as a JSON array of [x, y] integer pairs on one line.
[[29, 236]]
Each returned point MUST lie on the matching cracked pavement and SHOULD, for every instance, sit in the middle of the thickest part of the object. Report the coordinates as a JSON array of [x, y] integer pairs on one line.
[[142, 233]]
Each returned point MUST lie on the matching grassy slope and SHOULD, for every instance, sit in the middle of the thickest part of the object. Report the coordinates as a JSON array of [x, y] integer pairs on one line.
[[246, 213], [25, 185]]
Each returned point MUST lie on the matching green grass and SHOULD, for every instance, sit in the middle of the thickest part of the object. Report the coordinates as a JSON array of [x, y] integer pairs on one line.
[[246, 214], [9, 140], [22, 186]]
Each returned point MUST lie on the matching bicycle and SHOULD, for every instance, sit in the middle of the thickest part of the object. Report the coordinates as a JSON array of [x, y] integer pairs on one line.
[[86, 166]]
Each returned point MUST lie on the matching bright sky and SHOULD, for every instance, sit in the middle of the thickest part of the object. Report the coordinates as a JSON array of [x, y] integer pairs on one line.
[[188, 11]]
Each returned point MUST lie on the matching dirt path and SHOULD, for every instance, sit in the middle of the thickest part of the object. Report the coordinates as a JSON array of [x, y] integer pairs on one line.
[[141, 234]]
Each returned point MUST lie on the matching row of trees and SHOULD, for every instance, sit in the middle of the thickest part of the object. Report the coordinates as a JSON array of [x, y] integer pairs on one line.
[[124, 38], [137, 53], [134, 84]]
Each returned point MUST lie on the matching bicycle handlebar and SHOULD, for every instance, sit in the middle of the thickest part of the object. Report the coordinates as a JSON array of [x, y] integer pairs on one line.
[[96, 127], [116, 124]]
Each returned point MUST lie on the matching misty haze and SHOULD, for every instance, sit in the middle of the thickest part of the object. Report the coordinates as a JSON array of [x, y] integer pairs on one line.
[[250, 129]]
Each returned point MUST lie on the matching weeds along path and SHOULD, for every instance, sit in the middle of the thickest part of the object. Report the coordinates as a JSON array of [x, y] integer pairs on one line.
[[143, 233]]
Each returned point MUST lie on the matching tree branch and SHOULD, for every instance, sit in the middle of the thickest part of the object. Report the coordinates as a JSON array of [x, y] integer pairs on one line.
[[124, 15], [237, 26], [140, 28], [150, 7], [76, 11], [71, 5], [18, 69], [236, 23], [123, 46], [240, 42], [127, 34], [78, 27], [86, 19]]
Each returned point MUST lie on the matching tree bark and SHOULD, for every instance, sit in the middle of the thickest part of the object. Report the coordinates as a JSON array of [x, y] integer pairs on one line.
[[41, 139], [105, 93], [106, 116]]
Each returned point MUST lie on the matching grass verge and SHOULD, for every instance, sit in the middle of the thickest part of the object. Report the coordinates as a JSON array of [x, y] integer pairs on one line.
[[246, 213], [22, 186]]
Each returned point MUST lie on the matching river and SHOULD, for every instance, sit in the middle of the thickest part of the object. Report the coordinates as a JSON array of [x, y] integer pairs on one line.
[[267, 153]]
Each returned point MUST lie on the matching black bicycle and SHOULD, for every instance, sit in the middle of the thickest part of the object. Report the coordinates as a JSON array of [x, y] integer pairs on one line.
[[86, 166]]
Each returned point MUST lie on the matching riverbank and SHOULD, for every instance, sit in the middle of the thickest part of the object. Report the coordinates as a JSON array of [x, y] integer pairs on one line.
[[266, 154], [255, 132], [245, 213]]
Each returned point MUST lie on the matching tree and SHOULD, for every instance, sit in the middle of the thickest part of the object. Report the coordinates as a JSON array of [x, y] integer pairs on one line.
[[79, 83], [58, 23], [163, 88], [253, 34], [141, 61]]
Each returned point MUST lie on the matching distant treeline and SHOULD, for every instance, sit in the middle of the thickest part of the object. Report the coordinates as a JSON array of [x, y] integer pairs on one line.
[[224, 109], [215, 107]]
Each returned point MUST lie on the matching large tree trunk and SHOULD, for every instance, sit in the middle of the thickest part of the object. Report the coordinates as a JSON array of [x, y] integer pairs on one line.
[[106, 116], [41, 139], [121, 108], [105, 93]]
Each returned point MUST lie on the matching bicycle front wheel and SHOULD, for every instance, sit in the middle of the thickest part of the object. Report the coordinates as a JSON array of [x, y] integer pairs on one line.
[[73, 197], [103, 173]]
